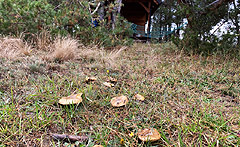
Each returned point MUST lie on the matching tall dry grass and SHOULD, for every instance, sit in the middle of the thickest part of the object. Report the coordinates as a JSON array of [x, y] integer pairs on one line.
[[43, 40], [11, 48], [100, 55], [63, 49]]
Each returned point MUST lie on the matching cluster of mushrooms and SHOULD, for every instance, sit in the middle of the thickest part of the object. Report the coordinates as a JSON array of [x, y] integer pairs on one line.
[[148, 134]]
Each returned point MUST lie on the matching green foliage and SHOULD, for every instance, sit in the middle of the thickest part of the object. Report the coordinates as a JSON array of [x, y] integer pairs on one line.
[[197, 37], [59, 17], [192, 43], [235, 19], [165, 15], [103, 35], [18, 16]]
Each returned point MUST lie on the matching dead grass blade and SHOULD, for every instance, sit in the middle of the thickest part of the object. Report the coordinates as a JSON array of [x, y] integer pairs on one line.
[[63, 49], [43, 40], [13, 47], [100, 56]]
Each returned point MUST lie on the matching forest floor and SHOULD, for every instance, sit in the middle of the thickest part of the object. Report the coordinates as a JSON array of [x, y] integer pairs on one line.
[[190, 99]]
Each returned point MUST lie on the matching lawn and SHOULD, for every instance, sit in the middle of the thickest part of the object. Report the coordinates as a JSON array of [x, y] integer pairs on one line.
[[191, 100]]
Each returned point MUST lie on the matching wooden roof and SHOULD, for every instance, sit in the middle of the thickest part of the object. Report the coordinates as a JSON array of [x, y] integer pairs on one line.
[[138, 11]]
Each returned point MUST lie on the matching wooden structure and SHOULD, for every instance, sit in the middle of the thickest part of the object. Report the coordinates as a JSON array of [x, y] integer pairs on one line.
[[139, 11]]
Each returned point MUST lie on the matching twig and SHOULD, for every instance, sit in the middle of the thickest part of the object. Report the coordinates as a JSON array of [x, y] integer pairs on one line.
[[96, 8], [71, 138], [219, 27]]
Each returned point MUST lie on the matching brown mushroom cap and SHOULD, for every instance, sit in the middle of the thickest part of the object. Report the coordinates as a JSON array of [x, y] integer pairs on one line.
[[97, 146], [119, 101], [139, 97], [108, 84], [150, 134], [72, 99]]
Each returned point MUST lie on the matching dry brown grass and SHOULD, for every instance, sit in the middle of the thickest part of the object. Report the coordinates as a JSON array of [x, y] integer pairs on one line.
[[11, 48], [43, 41], [100, 55], [63, 49]]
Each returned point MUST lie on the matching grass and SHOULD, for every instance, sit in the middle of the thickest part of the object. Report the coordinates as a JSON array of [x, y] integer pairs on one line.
[[190, 100], [12, 47]]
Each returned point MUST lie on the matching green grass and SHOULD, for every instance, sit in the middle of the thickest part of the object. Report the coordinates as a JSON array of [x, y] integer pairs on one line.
[[190, 100]]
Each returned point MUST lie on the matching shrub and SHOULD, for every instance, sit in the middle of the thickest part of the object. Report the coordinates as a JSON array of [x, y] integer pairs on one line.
[[17, 16], [59, 17]]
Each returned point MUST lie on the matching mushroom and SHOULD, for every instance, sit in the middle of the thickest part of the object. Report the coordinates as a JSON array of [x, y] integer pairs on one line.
[[119, 101], [108, 84], [72, 99], [97, 146], [139, 97], [150, 134]]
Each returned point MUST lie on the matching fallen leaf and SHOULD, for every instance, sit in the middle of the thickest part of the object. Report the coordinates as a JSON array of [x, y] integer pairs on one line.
[[73, 99], [90, 79], [108, 84], [139, 97], [150, 134], [119, 101]]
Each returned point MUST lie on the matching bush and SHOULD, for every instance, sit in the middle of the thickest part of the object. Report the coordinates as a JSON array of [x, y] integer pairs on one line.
[[17, 16], [59, 17], [193, 43], [198, 37]]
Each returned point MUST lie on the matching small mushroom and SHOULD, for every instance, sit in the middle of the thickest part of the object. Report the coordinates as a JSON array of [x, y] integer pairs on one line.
[[108, 84], [90, 79], [72, 99], [119, 101], [97, 146], [139, 97], [150, 134]]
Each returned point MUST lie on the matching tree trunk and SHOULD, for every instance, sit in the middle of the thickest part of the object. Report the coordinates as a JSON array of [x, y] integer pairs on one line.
[[101, 11], [237, 21], [115, 12]]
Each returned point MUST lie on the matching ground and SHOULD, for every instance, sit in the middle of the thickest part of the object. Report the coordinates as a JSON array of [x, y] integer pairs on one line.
[[190, 99]]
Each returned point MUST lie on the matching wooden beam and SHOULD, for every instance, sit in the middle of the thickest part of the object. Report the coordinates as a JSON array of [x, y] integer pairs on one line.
[[147, 9], [155, 2]]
